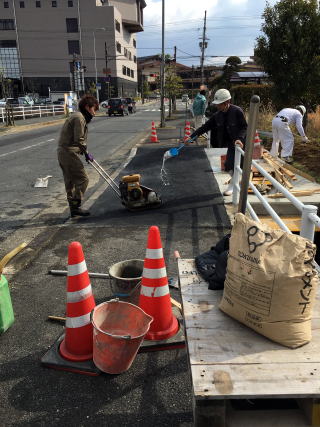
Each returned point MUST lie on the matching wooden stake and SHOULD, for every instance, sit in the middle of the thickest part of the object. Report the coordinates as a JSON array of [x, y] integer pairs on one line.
[[295, 193], [57, 318], [176, 304]]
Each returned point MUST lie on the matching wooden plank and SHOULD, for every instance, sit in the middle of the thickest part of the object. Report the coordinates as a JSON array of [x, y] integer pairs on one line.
[[175, 303], [278, 174], [296, 193], [301, 173], [292, 222], [241, 345], [281, 166], [266, 418], [229, 360], [250, 381], [311, 408]]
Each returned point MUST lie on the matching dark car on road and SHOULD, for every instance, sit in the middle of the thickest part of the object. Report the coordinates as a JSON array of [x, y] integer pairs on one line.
[[117, 106], [131, 105]]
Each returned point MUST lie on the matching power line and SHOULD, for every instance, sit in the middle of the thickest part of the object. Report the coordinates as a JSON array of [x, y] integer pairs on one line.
[[229, 18]]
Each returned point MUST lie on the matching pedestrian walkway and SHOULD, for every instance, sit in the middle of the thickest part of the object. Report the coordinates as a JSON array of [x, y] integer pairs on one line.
[[19, 124]]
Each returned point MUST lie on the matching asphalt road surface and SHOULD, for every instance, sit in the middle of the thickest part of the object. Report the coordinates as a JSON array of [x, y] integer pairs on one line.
[[29, 155], [156, 391]]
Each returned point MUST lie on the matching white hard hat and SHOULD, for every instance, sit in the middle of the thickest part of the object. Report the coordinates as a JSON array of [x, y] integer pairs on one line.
[[302, 108], [222, 95]]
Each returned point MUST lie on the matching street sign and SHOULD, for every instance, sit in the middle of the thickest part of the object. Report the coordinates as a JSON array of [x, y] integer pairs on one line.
[[98, 85], [107, 71]]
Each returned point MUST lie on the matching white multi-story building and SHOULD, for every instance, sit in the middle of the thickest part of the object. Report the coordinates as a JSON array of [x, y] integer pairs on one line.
[[70, 44]]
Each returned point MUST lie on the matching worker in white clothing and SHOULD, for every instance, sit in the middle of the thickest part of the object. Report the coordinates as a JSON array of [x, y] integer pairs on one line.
[[282, 133]]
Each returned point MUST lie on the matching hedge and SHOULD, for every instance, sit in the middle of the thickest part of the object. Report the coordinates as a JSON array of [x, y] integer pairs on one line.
[[241, 94]]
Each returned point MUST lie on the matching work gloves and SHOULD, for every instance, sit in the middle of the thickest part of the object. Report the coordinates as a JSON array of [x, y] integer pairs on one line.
[[304, 139], [88, 156], [190, 140]]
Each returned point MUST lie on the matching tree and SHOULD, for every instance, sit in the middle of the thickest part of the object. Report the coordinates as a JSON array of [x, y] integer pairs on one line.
[[173, 85], [289, 50], [5, 85], [233, 62], [231, 66], [92, 88]]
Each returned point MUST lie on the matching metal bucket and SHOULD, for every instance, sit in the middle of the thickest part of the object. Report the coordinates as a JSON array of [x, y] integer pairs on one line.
[[118, 331], [125, 280]]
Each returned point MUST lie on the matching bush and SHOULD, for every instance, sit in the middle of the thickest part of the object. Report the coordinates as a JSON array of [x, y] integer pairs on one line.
[[242, 94]]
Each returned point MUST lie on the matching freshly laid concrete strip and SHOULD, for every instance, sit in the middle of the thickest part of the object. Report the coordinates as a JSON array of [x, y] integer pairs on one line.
[[282, 205]]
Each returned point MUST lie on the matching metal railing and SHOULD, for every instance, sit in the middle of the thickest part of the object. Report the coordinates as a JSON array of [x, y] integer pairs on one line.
[[30, 111], [309, 217]]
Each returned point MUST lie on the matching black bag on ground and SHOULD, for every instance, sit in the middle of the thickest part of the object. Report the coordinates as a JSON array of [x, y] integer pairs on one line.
[[212, 265]]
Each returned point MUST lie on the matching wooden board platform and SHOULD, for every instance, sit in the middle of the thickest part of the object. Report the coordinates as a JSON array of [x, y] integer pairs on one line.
[[292, 222], [230, 361]]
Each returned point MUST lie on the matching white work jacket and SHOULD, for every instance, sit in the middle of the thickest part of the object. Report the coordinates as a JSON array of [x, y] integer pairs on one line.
[[293, 116]]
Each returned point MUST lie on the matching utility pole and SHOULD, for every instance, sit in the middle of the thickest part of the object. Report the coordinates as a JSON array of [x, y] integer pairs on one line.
[[162, 122], [174, 99], [192, 76], [107, 74], [95, 64], [142, 86], [203, 46]]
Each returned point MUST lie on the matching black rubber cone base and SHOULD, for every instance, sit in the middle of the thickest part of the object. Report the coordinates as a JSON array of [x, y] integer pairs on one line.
[[176, 341], [53, 359]]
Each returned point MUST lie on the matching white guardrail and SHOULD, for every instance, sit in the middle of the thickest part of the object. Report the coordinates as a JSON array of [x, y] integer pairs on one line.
[[309, 217], [32, 111]]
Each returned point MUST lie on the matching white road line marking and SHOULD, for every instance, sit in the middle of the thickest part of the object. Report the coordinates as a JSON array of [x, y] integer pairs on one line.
[[26, 148]]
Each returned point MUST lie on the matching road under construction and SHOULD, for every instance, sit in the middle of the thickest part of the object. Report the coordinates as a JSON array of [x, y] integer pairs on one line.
[[157, 389]]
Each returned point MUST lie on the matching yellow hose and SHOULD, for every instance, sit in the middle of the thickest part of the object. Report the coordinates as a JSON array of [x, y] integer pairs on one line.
[[10, 255]]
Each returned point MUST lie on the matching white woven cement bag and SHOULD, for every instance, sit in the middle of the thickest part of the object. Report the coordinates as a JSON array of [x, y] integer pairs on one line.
[[270, 283]]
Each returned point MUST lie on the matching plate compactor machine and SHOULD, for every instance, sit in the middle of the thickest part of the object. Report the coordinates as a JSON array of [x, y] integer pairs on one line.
[[132, 194]]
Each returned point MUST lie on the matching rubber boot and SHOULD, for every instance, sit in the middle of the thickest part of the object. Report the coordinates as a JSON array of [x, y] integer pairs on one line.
[[229, 190], [75, 209]]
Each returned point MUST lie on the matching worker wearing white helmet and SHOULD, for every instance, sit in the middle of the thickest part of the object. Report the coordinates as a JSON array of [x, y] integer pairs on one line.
[[282, 133], [228, 127]]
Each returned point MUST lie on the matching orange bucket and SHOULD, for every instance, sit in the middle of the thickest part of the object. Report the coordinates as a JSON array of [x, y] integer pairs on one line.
[[118, 331]]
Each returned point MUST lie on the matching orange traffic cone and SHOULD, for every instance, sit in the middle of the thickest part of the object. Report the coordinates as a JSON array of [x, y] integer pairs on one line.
[[155, 295], [257, 139], [77, 344], [154, 137], [187, 131], [257, 149]]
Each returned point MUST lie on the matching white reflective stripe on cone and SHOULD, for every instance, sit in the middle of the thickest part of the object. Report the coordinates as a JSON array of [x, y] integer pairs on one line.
[[154, 291], [79, 295], [77, 322], [154, 273], [154, 253], [75, 269]]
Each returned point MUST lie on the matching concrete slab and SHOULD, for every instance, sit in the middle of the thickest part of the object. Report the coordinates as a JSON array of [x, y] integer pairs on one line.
[[282, 205]]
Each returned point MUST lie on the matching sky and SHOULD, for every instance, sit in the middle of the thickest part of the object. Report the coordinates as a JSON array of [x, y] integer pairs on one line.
[[232, 27]]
